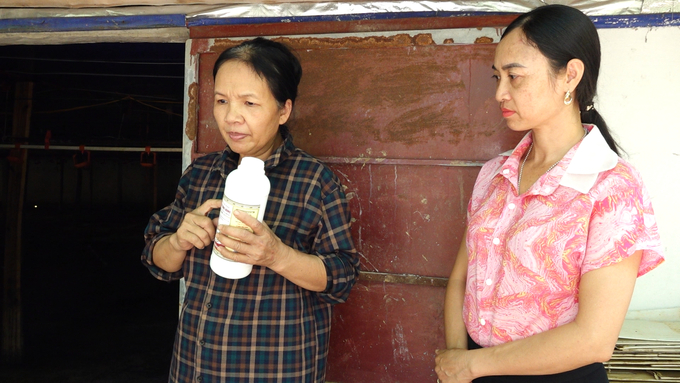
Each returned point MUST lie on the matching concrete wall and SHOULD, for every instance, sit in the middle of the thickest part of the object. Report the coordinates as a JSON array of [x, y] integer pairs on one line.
[[639, 97]]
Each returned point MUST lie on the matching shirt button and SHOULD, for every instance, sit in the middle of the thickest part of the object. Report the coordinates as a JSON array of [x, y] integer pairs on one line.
[[482, 321], [506, 171], [496, 241], [209, 305], [488, 282], [201, 342], [511, 206], [199, 378]]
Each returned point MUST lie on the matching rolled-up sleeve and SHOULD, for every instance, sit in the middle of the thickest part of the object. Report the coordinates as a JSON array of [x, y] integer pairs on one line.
[[335, 247], [163, 223]]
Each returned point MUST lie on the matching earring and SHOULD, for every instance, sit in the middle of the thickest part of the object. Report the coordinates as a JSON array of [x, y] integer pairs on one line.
[[567, 98]]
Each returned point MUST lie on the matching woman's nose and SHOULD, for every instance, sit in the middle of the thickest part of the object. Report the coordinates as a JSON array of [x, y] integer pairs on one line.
[[501, 92], [232, 114]]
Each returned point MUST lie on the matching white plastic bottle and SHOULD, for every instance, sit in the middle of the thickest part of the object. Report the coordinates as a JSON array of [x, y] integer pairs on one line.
[[245, 189]]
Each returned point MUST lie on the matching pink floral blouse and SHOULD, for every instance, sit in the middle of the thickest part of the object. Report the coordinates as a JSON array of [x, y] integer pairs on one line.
[[527, 253]]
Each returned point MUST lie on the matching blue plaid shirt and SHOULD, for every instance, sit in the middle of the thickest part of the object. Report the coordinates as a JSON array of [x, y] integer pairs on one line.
[[261, 328]]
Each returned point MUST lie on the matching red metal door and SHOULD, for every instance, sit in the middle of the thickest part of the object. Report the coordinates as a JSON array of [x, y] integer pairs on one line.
[[405, 123]]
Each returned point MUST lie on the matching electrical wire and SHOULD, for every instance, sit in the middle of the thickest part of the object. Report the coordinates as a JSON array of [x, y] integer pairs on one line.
[[107, 103], [60, 89], [92, 74], [92, 61]]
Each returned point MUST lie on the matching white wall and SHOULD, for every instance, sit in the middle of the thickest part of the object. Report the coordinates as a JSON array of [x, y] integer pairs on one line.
[[639, 97]]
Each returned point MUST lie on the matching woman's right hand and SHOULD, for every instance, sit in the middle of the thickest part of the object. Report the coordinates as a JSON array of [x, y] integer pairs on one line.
[[197, 229], [452, 366]]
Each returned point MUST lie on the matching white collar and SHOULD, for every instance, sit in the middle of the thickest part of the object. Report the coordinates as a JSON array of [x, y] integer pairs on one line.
[[592, 157]]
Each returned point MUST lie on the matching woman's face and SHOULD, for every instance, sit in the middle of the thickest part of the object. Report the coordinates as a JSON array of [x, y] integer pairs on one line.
[[246, 111], [525, 88]]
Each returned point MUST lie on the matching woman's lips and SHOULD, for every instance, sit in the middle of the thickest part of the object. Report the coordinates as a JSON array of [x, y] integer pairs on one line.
[[507, 112], [236, 136]]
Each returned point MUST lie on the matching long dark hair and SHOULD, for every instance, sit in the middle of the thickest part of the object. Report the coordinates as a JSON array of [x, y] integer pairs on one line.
[[562, 33], [272, 61]]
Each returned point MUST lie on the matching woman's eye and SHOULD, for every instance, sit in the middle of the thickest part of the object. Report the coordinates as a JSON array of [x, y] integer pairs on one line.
[[496, 77], [250, 103], [221, 101]]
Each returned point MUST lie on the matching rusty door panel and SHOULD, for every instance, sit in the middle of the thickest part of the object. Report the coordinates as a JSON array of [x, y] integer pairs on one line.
[[405, 123], [406, 102], [408, 219], [386, 333], [428, 101]]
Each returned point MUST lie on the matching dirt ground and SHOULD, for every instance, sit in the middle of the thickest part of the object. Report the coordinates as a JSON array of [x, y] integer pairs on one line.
[[91, 311]]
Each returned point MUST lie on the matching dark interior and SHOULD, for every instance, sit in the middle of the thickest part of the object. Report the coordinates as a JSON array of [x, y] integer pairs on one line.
[[91, 312]]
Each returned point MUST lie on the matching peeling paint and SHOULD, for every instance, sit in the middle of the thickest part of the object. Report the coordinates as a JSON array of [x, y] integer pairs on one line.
[[399, 345], [423, 39], [425, 217], [221, 44], [483, 40], [192, 124], [399, 40]]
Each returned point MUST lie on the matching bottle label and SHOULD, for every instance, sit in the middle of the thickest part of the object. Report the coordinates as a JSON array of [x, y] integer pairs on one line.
[[228, 218]]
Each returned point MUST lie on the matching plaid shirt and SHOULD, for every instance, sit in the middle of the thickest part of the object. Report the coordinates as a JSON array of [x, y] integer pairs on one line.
[[262, 328]]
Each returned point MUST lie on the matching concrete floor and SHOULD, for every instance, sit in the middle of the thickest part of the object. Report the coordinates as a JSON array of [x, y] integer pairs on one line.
[[92, 313]]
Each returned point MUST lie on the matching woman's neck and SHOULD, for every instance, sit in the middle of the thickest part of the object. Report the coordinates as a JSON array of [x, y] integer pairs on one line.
[[551, 143]]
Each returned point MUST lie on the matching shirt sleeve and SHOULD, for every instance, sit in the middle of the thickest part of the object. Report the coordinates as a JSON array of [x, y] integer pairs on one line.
[[622, 222], [335, 247], [164, 223]]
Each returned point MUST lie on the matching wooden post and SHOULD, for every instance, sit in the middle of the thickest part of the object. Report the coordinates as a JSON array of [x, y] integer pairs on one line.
[[12, 333]]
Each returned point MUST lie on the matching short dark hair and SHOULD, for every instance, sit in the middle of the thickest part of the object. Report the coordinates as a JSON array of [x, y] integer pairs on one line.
[[563, 33], [272, 61]]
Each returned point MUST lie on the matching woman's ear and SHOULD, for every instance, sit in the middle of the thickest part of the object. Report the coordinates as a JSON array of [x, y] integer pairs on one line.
[[285, 111], [574, 73]]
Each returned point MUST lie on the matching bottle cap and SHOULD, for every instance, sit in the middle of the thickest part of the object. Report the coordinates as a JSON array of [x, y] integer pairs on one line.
[[251, 163]]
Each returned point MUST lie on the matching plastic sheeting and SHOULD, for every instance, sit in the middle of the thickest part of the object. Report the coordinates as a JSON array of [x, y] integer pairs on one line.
[[25, 13], [250, 9], [329, 9]]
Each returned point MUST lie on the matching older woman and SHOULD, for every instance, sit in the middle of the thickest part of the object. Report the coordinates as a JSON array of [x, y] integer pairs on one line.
[[272, 326], [558, 228]]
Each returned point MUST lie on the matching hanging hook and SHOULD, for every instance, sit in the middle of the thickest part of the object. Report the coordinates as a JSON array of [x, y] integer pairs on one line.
[[15, 154], [147, 158], [48, 137], [82, 159]]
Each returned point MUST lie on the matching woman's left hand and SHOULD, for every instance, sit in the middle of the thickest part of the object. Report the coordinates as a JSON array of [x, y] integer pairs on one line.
[[261, 247], [452, 366]]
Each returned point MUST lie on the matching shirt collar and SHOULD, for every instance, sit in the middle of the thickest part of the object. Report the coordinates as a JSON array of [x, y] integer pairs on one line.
[[592, 157], [229, 159], [584, 162]]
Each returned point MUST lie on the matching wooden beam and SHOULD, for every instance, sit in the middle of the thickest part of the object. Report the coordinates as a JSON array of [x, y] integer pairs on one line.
[[157, 35], [407, 279], [12, 332]]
